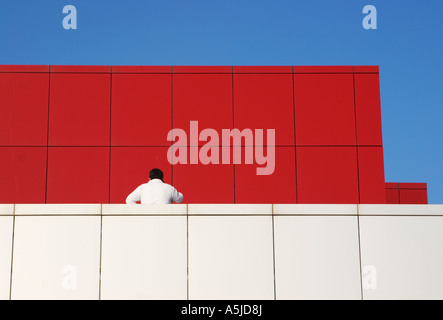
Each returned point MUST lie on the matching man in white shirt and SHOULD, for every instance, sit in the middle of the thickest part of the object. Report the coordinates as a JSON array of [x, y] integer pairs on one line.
[[155, 191]]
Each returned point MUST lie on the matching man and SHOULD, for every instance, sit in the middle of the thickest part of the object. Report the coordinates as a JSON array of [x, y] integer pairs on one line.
[[155, 191]]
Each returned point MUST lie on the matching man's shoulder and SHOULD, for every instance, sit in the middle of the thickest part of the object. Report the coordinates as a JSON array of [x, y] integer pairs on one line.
[[167, 185], [162, 184]]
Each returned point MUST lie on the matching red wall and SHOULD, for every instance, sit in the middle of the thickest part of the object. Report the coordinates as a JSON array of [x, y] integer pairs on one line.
[[90, 134], [406, 193]]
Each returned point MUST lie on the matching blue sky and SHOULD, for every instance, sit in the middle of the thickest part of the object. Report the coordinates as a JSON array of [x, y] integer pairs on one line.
[[407, 46]]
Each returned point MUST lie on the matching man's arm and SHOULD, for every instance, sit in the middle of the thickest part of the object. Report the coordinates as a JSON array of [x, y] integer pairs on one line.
[[134, 196], [177, 197]]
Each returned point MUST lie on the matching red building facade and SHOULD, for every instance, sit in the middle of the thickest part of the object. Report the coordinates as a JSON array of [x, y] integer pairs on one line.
[[90, 134]]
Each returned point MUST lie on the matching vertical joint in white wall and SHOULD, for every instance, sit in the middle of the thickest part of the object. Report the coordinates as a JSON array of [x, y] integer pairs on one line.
[[101, 253], [12, 251], [359, 251], [273, 252]]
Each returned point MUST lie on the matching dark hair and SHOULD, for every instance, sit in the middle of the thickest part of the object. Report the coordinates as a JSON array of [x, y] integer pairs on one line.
[[156, 174]]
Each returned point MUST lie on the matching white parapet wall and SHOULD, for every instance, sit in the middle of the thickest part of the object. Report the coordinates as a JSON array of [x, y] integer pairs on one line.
[[221, 251]]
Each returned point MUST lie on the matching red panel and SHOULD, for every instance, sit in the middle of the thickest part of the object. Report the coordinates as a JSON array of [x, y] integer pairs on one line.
[[323, 69], [324, 109], [206, 98], [22, 174], [327, 175], [24, 68], [204, 183], [413, 196], [130, 167], [391, 185], [81, 69], [407, 185], [141, 69], [277, 187], [367, 103], [371, 175], [366, 69], [265, 101], [202, 69], [141, 109], [78, 175], [392, 196], [263, 69], [24, 108], [79, 110]]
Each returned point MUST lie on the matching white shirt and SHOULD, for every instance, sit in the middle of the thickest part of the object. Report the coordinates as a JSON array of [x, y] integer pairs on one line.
[[155, 192]]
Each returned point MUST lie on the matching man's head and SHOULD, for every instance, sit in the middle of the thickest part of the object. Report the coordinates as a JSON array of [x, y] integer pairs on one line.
[[156, 174]]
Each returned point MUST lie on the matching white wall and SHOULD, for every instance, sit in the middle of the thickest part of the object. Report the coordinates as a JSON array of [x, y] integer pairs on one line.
[[224, 251]]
